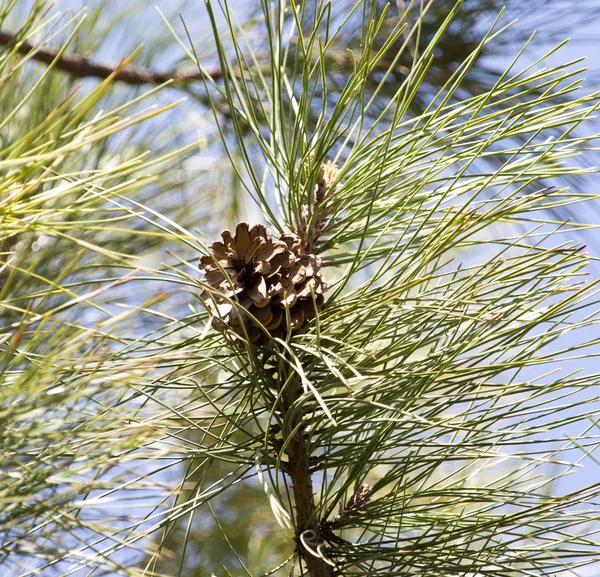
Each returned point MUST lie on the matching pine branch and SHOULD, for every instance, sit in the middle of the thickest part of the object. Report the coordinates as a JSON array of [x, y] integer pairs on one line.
[[79, 66], [306, 518]]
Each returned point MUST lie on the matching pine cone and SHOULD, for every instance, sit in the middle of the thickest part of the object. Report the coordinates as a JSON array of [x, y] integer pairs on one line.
[[266, 277]]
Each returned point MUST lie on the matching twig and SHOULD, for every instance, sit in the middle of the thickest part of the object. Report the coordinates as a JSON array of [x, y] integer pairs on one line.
[[306, 519], [79, 66], [298, 469]]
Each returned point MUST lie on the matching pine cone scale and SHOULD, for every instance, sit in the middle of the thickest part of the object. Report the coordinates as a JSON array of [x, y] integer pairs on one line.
[[251, 248], [259, 294]]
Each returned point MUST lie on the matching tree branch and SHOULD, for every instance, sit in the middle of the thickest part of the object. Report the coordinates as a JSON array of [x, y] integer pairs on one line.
[[79, 66], [304, 500]]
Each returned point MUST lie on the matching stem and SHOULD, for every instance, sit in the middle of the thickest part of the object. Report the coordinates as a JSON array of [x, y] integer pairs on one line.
[[306, 512], [79, 66], [299, 471]]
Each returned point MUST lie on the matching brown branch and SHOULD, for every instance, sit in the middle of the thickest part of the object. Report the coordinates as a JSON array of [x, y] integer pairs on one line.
[[79, 66], [306, 519], [298, 468]]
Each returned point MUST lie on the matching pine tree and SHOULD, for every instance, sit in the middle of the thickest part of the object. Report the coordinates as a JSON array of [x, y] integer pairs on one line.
[[372, 354]]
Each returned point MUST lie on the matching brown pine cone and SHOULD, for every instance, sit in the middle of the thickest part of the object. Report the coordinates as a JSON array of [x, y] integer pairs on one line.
[[266, 277]]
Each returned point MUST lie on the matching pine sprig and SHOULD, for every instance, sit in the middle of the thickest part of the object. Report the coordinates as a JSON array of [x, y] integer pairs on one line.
[[437, 416]]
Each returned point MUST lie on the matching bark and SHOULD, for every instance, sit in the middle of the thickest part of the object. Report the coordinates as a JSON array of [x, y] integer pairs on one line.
[[306, 518]]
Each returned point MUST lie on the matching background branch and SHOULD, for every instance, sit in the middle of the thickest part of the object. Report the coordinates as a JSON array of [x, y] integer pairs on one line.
[[80, 66]]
